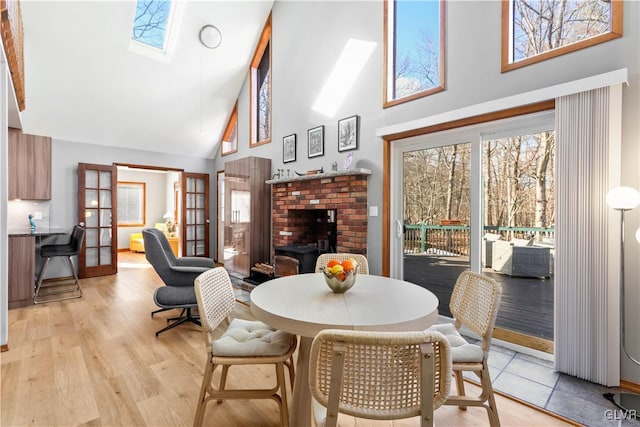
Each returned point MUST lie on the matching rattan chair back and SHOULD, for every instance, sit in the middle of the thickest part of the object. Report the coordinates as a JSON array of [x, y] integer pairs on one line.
[[248, 343], [323, 259], [474, 303], [380, 375], [216, 299]]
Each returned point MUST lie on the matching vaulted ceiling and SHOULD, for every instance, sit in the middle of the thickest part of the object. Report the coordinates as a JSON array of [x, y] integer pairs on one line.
[[84, 84]]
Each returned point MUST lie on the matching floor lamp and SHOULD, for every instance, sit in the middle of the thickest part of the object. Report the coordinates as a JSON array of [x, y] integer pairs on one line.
[[623, 199]]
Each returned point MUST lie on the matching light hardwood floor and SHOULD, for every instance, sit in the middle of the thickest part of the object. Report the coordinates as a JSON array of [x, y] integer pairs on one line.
[[95, 361]]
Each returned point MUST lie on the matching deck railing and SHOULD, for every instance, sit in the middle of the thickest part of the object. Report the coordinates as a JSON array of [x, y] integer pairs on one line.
[[454, 239]]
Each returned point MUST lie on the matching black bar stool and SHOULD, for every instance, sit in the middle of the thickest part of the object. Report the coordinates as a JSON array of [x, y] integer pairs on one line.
[[66, 250]]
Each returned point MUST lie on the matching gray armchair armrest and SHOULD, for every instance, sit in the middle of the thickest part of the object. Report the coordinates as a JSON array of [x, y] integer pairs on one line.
[[192, 261], [184, 276]]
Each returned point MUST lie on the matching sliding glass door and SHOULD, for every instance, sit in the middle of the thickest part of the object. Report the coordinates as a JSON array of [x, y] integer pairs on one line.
[[436, 214], [480, 198]]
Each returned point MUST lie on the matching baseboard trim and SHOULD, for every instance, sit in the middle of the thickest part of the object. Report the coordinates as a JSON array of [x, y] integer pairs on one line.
[[524, 340], [4, 347], [631, 386]]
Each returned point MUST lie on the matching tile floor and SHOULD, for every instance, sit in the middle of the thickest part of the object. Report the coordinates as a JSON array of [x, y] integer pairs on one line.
[[533, 380]]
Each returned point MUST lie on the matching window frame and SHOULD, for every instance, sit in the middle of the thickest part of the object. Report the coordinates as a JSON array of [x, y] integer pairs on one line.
[[388, 51], [231, 124], [265, 40], [506, 38], [143, 190]]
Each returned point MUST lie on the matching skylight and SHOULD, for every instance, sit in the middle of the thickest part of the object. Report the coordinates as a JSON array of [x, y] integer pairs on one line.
[[151, 23]]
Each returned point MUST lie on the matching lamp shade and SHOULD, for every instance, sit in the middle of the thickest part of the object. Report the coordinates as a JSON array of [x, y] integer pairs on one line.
[[623, 198], [168, 215]]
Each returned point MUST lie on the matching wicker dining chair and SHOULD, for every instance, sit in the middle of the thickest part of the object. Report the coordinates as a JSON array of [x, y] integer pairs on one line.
[[243, 343], [378, 375], [323, 259], [474, 304]]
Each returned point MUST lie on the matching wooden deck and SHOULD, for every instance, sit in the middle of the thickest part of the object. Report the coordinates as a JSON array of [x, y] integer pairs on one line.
[[527, 303]]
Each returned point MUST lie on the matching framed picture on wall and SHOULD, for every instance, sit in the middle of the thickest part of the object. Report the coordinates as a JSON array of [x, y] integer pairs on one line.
[[289, 148], [348, 133], [315, 139]]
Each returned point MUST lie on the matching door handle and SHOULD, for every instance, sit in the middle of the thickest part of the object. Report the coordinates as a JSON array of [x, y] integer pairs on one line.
[[399, 228]]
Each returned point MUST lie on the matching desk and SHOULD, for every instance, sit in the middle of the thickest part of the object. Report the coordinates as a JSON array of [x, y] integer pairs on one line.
[[304, 305]]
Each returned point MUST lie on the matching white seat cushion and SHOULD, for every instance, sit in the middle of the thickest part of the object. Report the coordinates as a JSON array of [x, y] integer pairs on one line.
[[251, 338], [461, 350]]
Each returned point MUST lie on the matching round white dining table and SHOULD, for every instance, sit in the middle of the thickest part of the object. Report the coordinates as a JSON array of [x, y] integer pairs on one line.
[[304, 305]]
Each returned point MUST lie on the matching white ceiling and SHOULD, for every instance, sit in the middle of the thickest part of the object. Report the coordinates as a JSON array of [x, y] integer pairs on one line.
[[84, 84]]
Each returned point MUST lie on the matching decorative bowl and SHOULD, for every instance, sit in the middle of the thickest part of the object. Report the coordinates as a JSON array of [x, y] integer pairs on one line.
[[340, 286]]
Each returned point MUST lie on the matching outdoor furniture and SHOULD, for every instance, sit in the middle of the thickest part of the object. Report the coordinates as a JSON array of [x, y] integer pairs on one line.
[[409, 373], [474, 304], [514, 260], [487, 248]]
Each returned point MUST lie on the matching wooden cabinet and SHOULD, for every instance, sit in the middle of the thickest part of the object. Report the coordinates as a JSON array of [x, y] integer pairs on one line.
[[22, 252], [247, 213], [29, 166]]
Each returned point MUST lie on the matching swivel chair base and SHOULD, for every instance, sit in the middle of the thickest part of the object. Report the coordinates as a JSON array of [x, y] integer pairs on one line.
[[179, 320], [176, 297]]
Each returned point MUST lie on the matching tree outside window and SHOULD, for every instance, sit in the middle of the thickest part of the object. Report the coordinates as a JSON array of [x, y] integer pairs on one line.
[[414, 50], [535, 30], [261, 89], [229, 143]]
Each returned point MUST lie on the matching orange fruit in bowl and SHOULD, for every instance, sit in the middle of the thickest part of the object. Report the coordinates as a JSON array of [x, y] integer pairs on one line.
[[348, 265], [332, 262]]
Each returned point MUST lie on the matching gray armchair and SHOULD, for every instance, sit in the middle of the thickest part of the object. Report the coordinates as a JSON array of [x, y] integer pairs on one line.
[[177, 274]]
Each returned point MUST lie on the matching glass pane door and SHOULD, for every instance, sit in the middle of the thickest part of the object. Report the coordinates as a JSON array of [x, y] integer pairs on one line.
[[436, 211], [221, 236], [97, 213], [196, 215], [518, 237]]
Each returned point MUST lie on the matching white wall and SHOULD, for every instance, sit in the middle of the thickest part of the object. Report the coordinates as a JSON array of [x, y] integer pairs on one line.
[[155, 200], [309, 36]]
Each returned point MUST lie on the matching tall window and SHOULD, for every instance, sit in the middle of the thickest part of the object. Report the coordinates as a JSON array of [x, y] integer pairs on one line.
[[535, 30], [261, 89], [414, 49], [230, 138]]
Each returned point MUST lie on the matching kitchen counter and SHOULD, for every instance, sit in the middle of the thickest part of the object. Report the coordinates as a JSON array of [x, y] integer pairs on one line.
[[39, 231], [25, 261]]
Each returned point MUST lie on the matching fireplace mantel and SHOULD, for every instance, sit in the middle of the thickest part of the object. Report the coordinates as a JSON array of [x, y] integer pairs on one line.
[[359, 171]]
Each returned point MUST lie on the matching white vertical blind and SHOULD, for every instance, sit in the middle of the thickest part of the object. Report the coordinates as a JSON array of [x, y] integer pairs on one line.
[[586, 262]]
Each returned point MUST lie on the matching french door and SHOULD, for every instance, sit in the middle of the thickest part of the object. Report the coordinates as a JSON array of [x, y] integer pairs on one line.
[[97, 209], [195, 224]]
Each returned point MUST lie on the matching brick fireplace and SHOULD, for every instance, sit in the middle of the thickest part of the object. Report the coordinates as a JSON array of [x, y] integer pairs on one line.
[[328, 209]]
